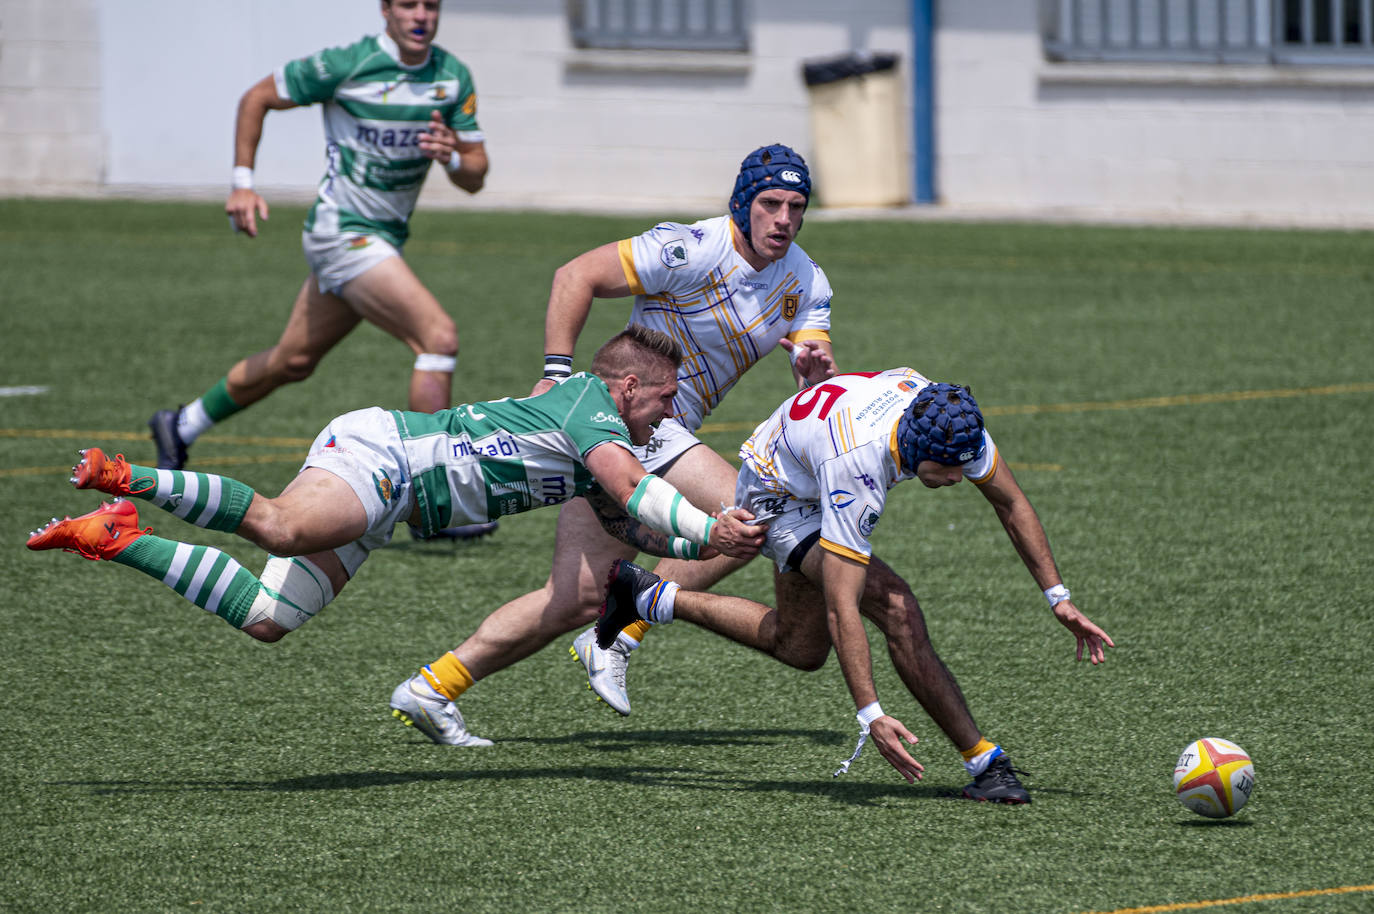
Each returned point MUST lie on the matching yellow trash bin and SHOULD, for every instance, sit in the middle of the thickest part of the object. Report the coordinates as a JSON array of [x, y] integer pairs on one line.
[[858, 131]]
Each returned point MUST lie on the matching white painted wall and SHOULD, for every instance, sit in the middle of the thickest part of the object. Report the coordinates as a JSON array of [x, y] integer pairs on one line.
[[124, 97], [1212, 143]]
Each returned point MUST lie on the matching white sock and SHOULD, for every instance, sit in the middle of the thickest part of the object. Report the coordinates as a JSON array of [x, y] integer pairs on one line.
[[656, 603], [979, 763], [626, 642], [193, 421]]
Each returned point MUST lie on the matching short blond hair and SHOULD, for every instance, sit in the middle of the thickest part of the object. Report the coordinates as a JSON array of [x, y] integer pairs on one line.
[[637, 350]]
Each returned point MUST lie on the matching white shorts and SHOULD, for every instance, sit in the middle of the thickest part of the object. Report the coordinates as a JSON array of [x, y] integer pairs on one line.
[[794, 524], [364, 450], [337, 257], [670, 441]]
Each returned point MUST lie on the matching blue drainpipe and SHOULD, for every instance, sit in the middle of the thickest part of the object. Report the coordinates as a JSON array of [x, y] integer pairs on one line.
[[923, 96]]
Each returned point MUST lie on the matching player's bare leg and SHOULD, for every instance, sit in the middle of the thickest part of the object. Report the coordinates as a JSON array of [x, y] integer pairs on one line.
[[889, 602], [391, 296], [570, 598], [318, 321]]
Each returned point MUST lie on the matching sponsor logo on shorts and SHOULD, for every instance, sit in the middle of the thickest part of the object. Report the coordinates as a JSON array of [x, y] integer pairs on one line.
[[359, 243], [868, 520], [383, 484], [674, 253], [790, 303], [841, 498]]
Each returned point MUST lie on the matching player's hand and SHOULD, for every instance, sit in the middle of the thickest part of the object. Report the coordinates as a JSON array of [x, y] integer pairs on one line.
[[887, 733], [543, 385], [1084, 630], [438, 141], [733, 535], [812, 362], [244, 209]]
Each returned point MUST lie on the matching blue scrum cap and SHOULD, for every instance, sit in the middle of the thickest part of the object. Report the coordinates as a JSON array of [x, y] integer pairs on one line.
[[942, 424], [766, 167]]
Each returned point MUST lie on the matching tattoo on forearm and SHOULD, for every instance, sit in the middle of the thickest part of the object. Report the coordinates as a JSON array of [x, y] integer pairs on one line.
[[625, 528]]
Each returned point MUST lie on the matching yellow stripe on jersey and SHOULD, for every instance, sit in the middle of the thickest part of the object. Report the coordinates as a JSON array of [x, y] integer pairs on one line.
[[627, 263], [896, 454], [842, 428], [798, 336], [843, 551]]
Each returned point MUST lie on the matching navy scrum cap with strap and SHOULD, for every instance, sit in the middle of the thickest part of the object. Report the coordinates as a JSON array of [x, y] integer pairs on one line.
[[942, 424], [764, 168]]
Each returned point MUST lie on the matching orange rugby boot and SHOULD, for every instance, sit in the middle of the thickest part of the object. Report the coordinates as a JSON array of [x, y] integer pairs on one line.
[[103, 534], [96, 471]]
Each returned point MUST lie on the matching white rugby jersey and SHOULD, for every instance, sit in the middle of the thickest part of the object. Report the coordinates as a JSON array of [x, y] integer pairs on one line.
[[375, 109], [691, 283], [835, 445]]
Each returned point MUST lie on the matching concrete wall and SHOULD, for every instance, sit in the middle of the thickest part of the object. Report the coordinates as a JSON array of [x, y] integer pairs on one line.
[[122, 96], [1239, 144]]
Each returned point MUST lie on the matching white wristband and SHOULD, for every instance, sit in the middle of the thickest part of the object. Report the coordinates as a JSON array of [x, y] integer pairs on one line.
[[243, 178], [869, 713], [1056, 595], [455, 162]]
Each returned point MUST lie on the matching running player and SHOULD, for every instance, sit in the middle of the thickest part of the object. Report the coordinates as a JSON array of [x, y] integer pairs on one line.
[[819, 471], [393, 103]]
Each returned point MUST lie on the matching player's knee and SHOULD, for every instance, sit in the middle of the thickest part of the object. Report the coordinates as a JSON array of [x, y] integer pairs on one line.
[[296, 367], [805, 654], [265, 630], [291, 592]]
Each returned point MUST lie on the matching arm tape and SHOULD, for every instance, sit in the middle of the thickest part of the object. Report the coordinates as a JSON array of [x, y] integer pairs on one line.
[[656, 503]]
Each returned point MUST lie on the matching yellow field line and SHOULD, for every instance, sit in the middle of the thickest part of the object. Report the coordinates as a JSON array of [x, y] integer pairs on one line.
[[98, 437], [711, 427], [1244, 899], [1236, 396]]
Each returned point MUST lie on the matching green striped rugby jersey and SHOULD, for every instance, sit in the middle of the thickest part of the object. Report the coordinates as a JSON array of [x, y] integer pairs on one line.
[[479, 461], [375, 109]]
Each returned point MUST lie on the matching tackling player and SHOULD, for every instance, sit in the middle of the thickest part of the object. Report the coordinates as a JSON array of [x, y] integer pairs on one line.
[[819, 471], [372, 468], [729, 290]]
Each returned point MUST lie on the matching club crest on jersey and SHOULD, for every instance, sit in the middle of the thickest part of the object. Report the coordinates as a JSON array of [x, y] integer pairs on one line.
[[841, 499], [868, 520], [439, 93], [674, 253], [383, 484], [790, 302]]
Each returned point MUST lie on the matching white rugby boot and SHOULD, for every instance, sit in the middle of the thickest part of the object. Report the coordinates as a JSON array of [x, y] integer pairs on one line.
[[416, 704], [605, 669]]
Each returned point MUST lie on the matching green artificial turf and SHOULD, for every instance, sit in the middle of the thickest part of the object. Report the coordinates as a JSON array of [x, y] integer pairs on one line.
[[1189, 410]]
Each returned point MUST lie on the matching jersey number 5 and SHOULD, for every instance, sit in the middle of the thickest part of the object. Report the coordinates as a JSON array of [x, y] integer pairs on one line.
[[806, 401]]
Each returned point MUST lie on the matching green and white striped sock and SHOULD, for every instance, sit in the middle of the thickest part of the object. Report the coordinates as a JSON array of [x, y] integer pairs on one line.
[[204, 499], [204, 575]]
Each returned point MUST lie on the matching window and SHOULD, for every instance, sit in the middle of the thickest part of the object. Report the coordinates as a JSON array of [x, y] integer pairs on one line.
[[1211, 31], [676, 25]]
